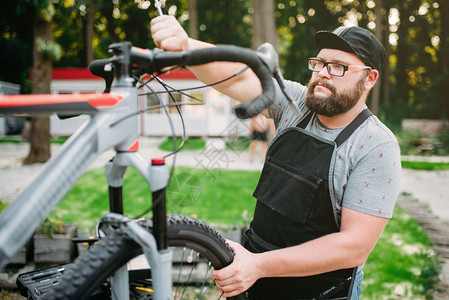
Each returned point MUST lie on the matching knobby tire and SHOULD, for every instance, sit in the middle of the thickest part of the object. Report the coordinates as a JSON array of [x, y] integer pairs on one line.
[[92, 268]]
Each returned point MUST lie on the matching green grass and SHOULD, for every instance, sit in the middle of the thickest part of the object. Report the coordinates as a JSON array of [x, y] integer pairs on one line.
[[402, 256], [18, 140], [240, 143], [426, 166], [190, 144], [12, 140], [211, 196]]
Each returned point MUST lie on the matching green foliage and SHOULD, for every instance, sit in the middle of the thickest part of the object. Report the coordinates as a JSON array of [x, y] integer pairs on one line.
[[418, 66], [297, 22], [406, 140], [49, 48], [411, 141], [225, 22], [52, 226], [45, 10], [9, 295], [16, 40]]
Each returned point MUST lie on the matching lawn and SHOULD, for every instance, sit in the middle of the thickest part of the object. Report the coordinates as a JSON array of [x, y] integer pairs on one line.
[[402, 259], [425, 166], [210, 196]]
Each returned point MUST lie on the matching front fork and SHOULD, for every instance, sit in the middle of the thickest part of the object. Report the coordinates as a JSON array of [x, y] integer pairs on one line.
[[155, 246]]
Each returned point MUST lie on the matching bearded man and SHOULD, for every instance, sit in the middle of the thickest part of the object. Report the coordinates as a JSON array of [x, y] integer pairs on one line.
[[331, 175]]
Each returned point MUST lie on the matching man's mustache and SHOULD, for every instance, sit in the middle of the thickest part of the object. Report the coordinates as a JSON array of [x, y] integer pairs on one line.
[[312, 85]]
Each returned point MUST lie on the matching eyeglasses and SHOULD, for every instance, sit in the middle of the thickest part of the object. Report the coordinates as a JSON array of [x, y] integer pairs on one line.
[[334, 69]]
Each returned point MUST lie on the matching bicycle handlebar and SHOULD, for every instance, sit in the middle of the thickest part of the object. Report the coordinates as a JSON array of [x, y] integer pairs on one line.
[[252, 60], [264, 65]]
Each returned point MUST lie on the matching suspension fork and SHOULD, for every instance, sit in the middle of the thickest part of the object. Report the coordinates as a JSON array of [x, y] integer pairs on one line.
[[157, 177], [155, 246]]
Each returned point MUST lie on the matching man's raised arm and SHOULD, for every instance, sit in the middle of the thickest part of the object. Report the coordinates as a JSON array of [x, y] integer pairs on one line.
[[169, 35]]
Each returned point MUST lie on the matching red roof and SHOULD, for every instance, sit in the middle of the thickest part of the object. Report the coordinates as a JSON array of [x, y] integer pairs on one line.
[[83, 73]]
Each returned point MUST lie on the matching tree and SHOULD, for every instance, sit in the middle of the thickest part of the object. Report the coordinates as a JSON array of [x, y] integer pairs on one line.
[[443, 59], [225, 22], [264, 25], [16, 42], [297, 23], [193, 19], [43, 52], [90, 13], [375, 97]]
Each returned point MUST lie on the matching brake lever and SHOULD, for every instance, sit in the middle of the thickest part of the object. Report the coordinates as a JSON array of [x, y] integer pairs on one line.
[[270, 58]]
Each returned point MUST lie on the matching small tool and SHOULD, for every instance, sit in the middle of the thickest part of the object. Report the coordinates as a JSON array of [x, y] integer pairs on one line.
[[158, 6]]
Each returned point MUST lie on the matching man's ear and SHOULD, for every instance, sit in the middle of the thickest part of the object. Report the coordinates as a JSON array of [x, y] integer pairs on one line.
[[371, 79]]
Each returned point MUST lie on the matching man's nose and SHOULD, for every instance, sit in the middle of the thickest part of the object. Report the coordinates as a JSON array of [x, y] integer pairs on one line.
[[324, 72]]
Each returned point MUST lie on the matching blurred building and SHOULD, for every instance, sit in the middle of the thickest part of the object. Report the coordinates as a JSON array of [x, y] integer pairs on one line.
[[213, 118]]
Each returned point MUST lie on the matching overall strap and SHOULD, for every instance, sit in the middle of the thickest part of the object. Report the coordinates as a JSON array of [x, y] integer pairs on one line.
[[365, 114], [305, 121]]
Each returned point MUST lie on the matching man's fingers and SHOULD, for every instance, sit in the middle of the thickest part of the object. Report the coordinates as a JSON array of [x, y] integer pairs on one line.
[[159, 19], [171, 44], [220, 275]]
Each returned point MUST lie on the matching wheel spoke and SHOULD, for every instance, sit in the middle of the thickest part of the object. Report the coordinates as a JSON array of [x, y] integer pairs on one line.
[[193, 264]]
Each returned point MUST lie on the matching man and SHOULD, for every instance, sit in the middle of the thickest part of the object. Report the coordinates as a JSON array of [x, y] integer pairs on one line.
[[259, 129], [331, 177]]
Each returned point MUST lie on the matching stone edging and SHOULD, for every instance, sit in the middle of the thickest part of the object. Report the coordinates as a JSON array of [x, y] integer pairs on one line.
[[437, 230]]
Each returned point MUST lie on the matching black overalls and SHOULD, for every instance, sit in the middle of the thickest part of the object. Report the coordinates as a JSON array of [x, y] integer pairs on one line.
[[294, 206]]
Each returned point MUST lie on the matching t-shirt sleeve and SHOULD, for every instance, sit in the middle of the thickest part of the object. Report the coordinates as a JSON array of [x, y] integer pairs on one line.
[[373, 185], [279, 110]]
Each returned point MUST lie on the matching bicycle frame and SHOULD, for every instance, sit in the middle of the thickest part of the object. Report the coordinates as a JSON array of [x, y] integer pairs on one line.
[[114, 124], [101, 133]]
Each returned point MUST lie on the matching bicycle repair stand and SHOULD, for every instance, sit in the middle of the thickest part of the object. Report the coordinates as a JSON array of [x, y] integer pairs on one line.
[[36, 284]]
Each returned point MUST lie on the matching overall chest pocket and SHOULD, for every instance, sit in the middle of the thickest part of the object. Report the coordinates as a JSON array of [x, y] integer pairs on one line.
[[287, 190]]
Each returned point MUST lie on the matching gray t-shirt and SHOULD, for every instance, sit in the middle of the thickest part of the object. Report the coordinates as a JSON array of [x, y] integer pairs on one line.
[[367, 166]]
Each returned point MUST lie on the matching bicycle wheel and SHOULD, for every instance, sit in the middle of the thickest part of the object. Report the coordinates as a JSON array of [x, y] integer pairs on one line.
[[197, 248]]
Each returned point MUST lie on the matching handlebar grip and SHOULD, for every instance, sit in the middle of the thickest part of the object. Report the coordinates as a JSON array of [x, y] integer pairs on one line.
[[248, 57], [97, 68]]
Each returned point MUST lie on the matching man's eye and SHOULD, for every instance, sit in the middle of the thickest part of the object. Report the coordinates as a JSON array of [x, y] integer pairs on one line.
[[336, 67]]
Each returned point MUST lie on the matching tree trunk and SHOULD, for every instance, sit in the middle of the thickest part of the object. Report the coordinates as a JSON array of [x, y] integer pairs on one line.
[[264, 23], [403, 56], [443, 58], [375, 97], [387, 70], [193, 20], [90, 31], [42, 69]]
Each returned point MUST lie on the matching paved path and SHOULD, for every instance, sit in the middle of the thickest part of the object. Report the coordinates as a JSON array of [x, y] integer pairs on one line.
[[14, 177]]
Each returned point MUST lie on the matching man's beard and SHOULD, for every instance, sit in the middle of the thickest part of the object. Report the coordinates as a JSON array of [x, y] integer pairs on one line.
[[335, 104]]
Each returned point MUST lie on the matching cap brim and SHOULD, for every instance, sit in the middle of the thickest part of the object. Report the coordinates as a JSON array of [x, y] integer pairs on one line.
[[326, 39]]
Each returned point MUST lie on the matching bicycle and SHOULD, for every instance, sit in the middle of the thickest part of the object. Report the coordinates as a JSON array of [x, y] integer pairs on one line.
[[114, 124]]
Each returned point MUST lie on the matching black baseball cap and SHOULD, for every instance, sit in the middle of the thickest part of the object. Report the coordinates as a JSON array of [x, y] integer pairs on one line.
[[356, 40]]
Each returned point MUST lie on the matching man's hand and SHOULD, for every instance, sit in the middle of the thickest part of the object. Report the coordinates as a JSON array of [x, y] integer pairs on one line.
[[168, 34], [240, 275]]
